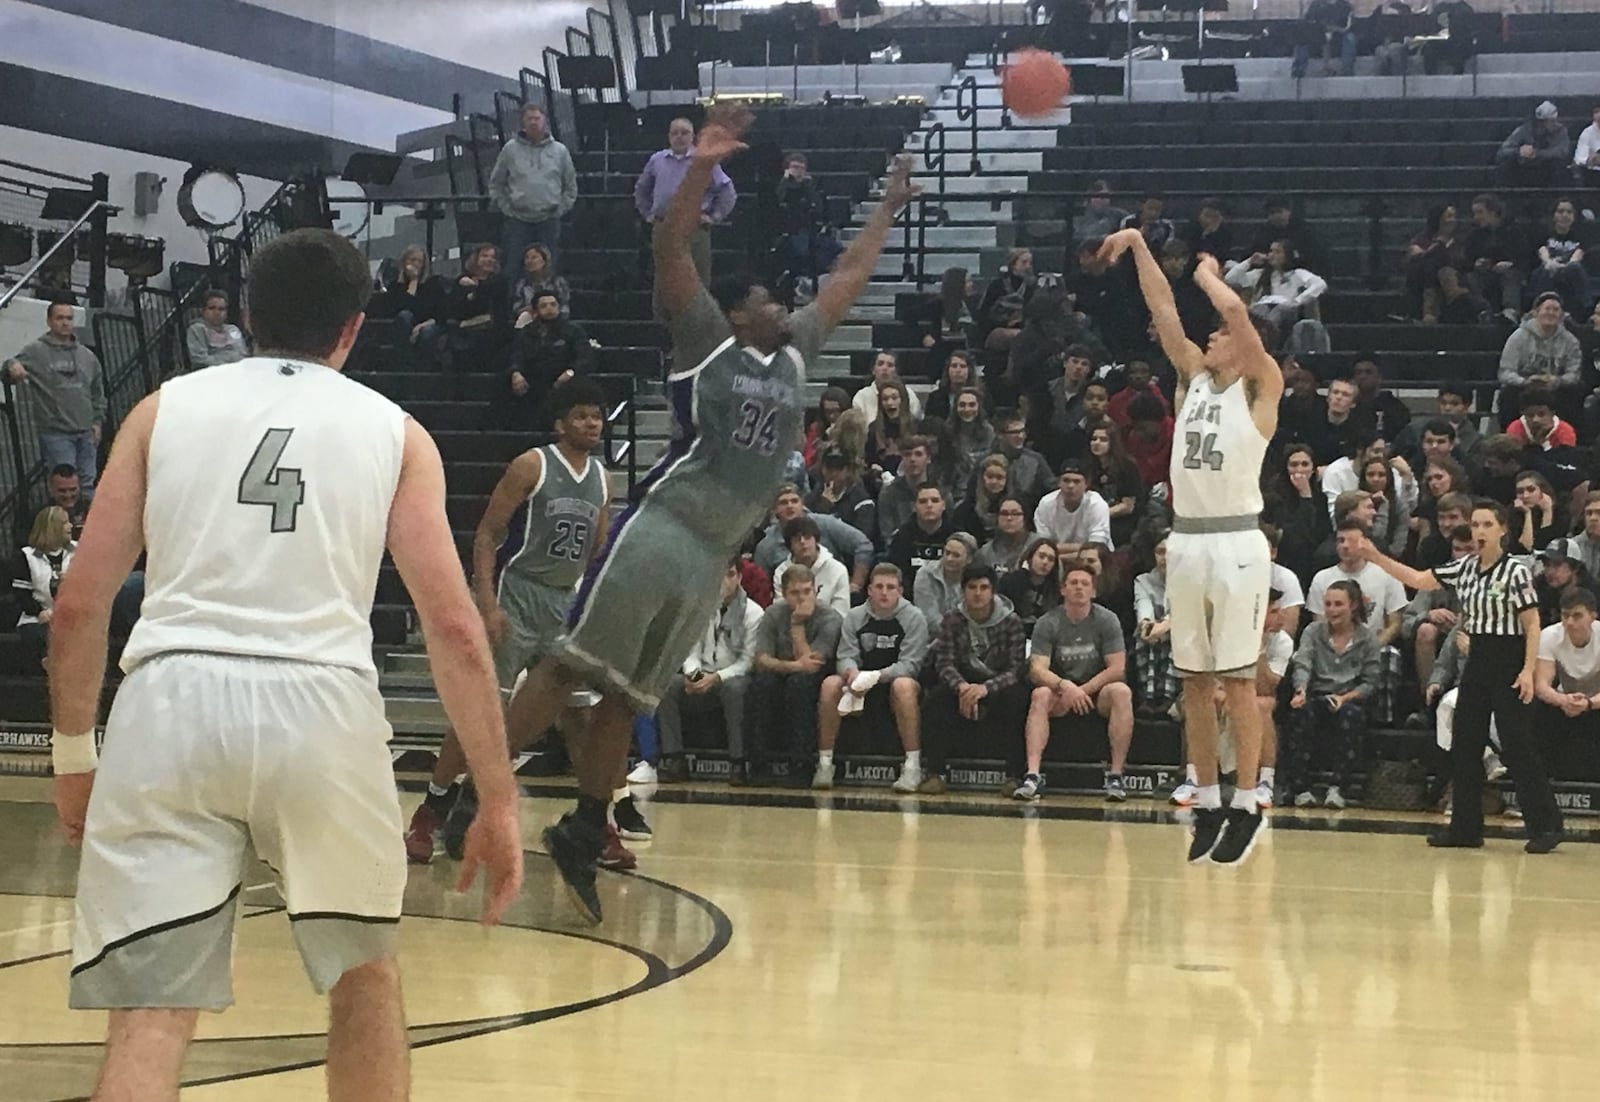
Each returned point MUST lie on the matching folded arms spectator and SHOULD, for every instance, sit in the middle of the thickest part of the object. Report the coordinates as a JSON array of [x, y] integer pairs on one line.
[[211, 340]]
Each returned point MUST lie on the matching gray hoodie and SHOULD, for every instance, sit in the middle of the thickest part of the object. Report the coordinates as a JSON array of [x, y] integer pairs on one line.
[[533, 181], [896, 645], [66, 381], [1529, 352], [1320, 670], [980, 664]]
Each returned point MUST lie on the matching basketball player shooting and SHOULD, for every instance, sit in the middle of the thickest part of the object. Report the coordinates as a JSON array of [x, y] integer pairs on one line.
[[1219, 566]]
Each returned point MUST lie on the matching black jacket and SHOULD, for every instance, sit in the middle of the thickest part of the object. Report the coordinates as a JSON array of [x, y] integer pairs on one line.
[[543, 352]]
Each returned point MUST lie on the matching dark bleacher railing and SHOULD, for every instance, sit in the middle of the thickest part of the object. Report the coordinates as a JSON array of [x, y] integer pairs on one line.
[[27, 194]]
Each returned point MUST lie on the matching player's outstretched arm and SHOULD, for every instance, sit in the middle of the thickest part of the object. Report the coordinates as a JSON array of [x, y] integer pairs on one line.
[[1399, 571], [676, 278], [458, 653], [854, 269], [510, 492], [1254, 361], [112, 539], [1186, 357]]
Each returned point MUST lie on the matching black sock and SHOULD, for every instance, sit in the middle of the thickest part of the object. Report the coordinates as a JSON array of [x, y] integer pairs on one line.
[[443, 802], [592, 812]]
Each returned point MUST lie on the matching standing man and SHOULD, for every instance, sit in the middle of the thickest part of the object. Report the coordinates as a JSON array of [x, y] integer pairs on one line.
[[662, 176], [535, 185], [66, 385], [1219, 565], [265, 493]]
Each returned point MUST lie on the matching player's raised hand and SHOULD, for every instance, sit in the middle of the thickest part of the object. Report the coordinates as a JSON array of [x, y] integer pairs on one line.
[[1119, 243], [898, 190], [1207, 265], [723, 134], [494, 842]]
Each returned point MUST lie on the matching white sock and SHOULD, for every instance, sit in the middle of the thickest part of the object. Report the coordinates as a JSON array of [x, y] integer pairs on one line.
[[913, 759], [436, 790], [620, 794], [1209, 797], [824, 757], [1268, 775], [1245, 799], [1190, 774]]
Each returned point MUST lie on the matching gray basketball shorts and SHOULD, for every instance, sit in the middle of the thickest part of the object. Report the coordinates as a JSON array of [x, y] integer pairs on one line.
[[538, 617], [645, 602], [206, 754]]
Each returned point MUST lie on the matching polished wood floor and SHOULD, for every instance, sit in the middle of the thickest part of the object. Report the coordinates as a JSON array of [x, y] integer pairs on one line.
[[862, 948]]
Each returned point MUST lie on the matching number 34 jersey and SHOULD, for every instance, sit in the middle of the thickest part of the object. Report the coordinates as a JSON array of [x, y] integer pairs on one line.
[[1216, 453], [269, 483], [550, 534]]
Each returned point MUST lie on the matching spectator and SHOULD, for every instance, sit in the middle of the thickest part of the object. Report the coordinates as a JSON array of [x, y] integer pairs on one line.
[[1210, 233], [478, 311], [833, 402], [1494, 253], [1586, 544], [1452, 510], [1078, 666], [66, 493], [1503, 457], [1073, 514], [1382, 600], [802, 215], [1116, 479], [1391, 524], [979, 658], [536, 275], [1336, 20], [1136, 380], [897, 501], [841, 494], [830, 579], [1336, 433], [979, 514], [1294, 504], [544, 355], [938, 591], [1382, 409], [1283, 225], [1149, 439], [1289, 594], [1034, 588], [958, 375], [1456, 45], [1541, 346], [1105, 297], [1536, 153], [663, 174], [1563, 571], [36, 577], [1148, 221], [845, 541], [1004, 553], [971, 434], [1098, 217], [715, 674], [1538, 427], [1000, 310], [1539, 517], [1436, 248], [1152, 644], [1344, 473], [797, 642], [951, 326], [1586, 154], [895, 422], [1335, 677], [211, 341], [881, 650], [1450, 432], [1281, 292], [1301, 409], [1060, 424], [1028, 473], [415, 300], [1195, 312], [1458, 303], [1561, 261], [1432, 614], [65, 387], [1566, 681], [884, 369], [534, 185], [920, 541]]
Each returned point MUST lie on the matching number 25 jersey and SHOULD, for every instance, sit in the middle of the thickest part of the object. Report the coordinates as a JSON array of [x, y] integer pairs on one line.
[[269, 483], [1217, 452]]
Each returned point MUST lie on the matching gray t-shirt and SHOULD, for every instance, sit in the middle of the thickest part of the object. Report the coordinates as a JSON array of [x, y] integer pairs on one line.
[[1078, 649], [822, 632]]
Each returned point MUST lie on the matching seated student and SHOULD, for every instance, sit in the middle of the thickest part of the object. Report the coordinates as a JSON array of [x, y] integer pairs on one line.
[[1004, 553], [832, 580], [1562, 571], [716, 673], [1152, 645], [1335, 674], [1566, 682], [1034, 588], [1383, 600], [979, 657], [979, 515], [881, 650], [841, 493], [1078, 664], [36, 576], [847, 542], [796, 644], [919, 544], [937, 590], [1431, 615]]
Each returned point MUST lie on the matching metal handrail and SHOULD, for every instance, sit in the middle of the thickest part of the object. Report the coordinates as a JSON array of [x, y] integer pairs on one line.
[[68, 239], [935, 161], [589, 19], [626, 412], [45, 172], [550, 89], [969, 114]]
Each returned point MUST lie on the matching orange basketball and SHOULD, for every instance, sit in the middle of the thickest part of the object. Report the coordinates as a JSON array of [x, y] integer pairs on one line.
[[1034, 83]]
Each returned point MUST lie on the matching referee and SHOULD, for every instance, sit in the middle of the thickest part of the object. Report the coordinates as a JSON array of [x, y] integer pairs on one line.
[[1500, 613]]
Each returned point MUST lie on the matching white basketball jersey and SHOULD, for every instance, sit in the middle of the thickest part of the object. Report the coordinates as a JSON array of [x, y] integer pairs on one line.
[[1217, 452], [266, 514]]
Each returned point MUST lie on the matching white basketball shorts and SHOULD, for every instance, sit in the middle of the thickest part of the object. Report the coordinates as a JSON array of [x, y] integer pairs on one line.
[[1217, 585], [204, 754]]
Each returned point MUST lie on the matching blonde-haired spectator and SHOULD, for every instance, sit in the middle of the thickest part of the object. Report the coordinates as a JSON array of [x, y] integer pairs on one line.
[[36, 576]]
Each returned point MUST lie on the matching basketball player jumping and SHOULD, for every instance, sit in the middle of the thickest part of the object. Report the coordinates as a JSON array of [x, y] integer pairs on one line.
[[265, 492], [1219, 566], [737, 398]]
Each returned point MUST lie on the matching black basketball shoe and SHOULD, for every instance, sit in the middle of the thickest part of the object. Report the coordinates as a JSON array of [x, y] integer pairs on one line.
[[1207, 825], [575, 848], [454, 834], [1239, 832]]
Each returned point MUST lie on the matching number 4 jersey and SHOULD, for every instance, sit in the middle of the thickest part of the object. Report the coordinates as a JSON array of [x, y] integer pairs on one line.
[[269, 483], [1217, 453]]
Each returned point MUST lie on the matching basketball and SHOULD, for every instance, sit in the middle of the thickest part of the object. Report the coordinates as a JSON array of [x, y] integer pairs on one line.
[[1035, 82]]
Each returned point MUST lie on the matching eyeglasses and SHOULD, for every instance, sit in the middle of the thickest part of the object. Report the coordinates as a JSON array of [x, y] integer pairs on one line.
[[1010, 512]]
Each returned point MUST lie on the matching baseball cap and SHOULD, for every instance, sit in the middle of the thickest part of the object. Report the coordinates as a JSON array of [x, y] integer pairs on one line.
[[1559, 550], [1071, 466], [835, 457], [1545, 110]]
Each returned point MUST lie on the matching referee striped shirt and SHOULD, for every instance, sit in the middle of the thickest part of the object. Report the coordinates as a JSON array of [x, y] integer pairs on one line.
[[1491, 599]]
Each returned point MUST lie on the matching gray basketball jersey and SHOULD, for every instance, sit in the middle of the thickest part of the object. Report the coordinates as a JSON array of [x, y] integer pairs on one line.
[[551, 532]]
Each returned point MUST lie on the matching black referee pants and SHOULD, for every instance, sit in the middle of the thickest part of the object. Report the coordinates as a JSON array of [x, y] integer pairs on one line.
[[1487, 690]]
